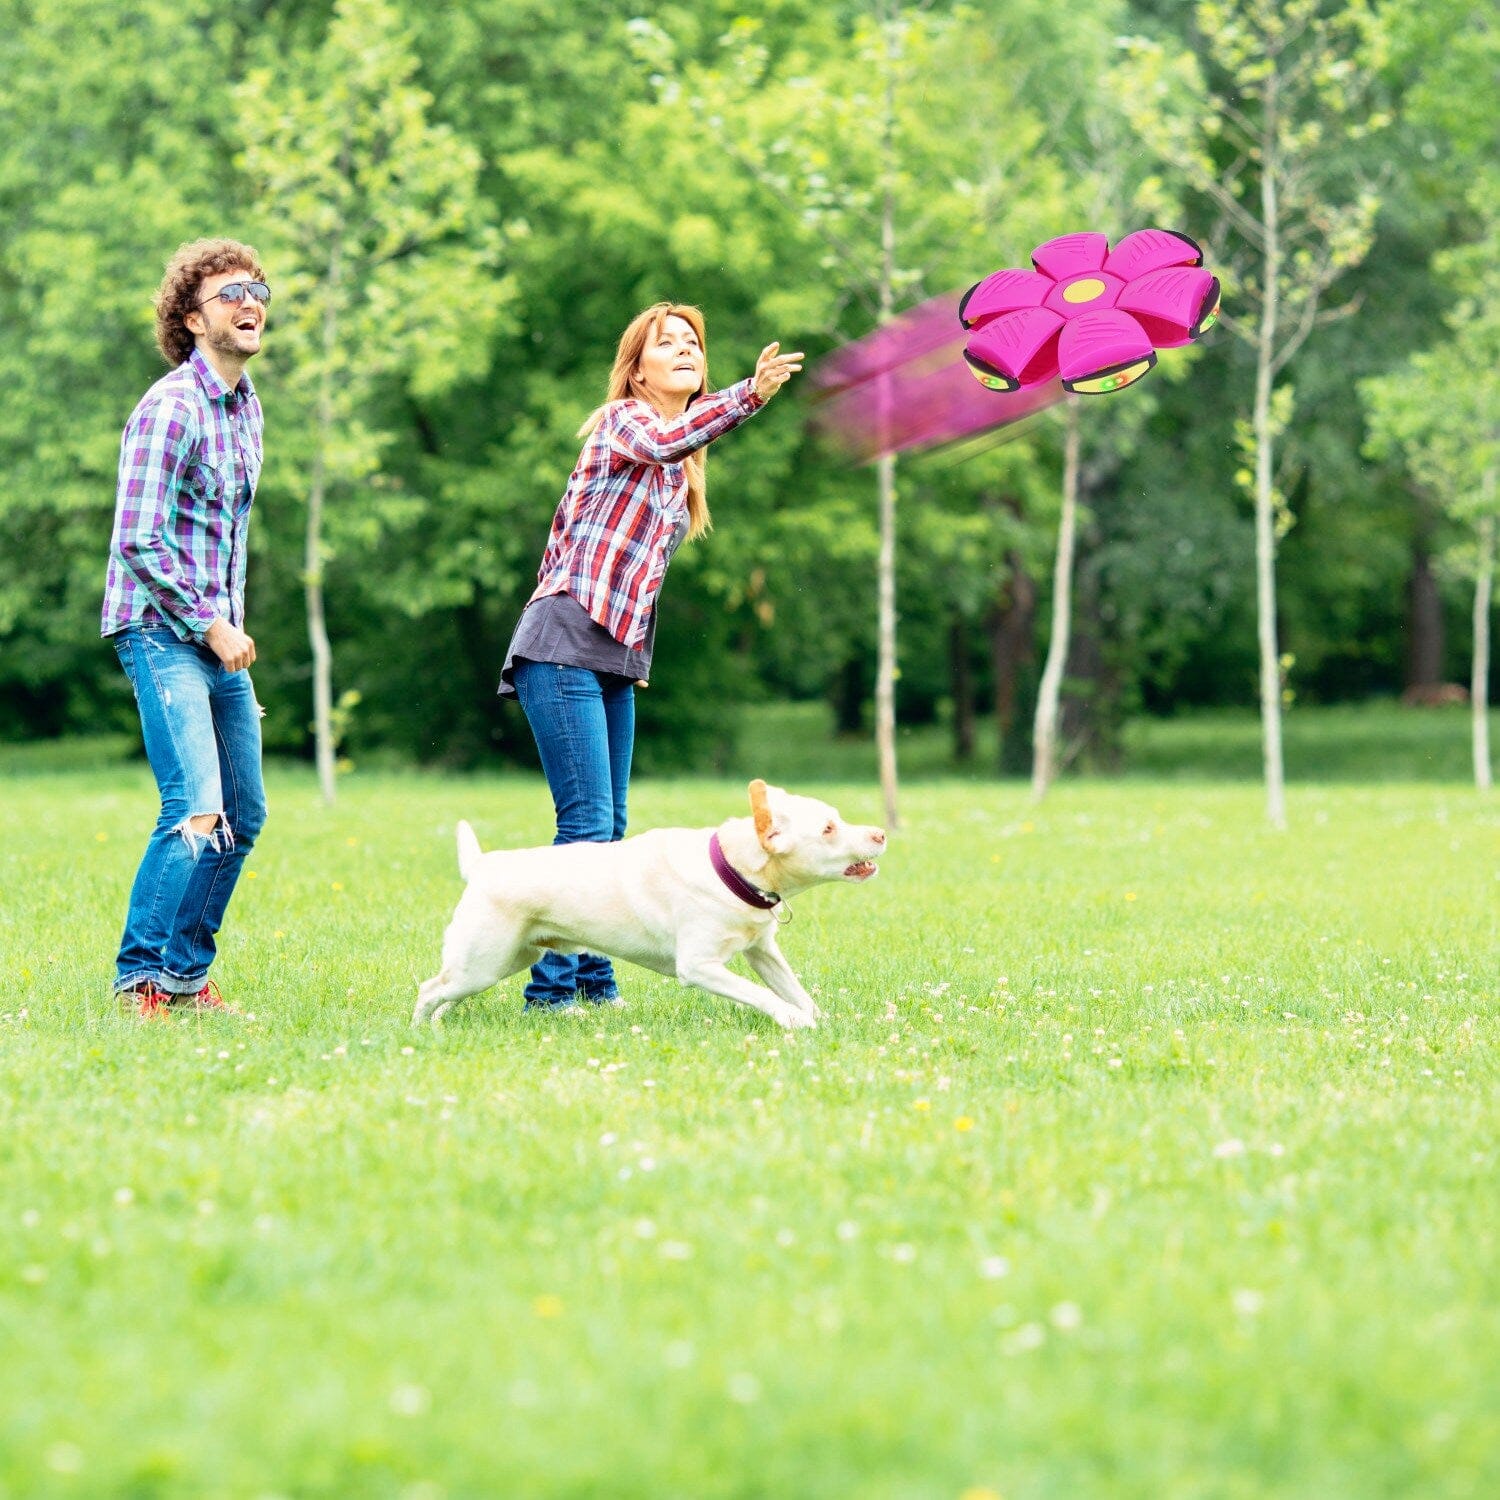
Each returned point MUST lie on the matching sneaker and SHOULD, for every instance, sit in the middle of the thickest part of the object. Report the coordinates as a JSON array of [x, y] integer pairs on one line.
[[149, 1001], [206, 999]]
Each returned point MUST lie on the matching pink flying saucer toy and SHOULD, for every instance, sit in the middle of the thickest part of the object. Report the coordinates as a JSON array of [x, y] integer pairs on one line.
[[1089, 316]]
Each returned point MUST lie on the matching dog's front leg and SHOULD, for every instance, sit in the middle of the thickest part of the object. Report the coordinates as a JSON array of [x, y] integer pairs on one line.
[[718, 979], [768, 961]]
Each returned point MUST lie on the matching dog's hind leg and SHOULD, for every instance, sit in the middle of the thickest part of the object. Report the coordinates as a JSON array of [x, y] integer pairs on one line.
[[471, 963]]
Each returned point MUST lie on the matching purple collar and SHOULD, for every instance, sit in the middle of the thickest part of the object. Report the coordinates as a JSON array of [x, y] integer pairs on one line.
[[735, 881]]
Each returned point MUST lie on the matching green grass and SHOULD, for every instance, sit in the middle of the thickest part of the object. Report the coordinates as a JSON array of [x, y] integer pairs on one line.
[[1378, 741], [1143, 1153]]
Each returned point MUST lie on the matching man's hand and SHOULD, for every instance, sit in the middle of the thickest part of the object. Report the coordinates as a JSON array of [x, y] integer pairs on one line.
[[230, 644]]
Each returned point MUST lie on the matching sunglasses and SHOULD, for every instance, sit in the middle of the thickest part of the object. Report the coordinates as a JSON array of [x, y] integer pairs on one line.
[[234, 292]]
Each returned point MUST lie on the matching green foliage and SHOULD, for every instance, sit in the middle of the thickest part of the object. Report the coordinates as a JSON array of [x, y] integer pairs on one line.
[[386, 260], [566, 165], [1440, 409]]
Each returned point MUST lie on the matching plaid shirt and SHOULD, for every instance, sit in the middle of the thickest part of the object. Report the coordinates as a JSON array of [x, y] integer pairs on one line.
[[610, 538], [189, 462]]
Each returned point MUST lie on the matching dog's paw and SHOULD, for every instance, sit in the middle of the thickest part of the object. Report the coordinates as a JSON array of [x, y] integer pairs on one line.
[[797, 1020]]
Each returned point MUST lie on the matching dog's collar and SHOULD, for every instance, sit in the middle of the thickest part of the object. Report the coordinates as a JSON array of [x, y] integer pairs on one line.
[[751, 895]]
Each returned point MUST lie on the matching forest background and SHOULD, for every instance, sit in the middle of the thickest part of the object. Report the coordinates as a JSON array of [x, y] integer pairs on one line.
[[459, 208]]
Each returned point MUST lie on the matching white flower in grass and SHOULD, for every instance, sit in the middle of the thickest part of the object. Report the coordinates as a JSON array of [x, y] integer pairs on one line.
[[678, 1355], [903, 1254], [1027, 1337], [644, 1229], [1231, 1147], [993, 1267], [676, 1250], [65, 1458], [124, 1197], [785, 1237], [1247, 1302], [1067, 1316], [847, 1230], [410, 1400], [744, 1388]]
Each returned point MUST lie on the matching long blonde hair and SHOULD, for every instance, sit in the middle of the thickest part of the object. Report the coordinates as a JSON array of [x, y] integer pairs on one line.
[[624, 381]]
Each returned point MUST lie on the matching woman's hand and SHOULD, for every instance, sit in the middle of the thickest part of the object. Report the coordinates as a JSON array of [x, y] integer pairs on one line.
[[774, 369]]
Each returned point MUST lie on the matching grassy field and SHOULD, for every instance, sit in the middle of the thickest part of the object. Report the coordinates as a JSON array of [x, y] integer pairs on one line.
[[1143, 1153]]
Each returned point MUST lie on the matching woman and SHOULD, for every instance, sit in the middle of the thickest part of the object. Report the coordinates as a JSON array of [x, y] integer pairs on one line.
[[583, 643]]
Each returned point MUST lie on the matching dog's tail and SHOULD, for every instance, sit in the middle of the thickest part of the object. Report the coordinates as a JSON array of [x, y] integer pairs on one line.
[[468, 850]]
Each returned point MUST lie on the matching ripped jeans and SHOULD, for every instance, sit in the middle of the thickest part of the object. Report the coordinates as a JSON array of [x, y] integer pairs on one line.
[[201, 725]]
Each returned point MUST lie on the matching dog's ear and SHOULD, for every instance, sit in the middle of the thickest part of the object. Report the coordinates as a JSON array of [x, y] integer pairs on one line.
[[769, 829]]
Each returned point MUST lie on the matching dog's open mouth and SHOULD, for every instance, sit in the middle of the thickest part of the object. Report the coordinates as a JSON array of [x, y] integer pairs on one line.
[[861, 870]]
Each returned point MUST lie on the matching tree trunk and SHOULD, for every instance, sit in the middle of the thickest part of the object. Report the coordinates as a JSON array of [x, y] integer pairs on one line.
[[961, 678], [1424, 637], [1480, 683], [885, 468], [317, 630], [1265, 520], [1044, 732], [1011, 622], [849, 698], [885, 672]]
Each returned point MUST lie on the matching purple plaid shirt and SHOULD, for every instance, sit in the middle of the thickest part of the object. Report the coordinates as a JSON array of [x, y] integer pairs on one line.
[[189, 462]]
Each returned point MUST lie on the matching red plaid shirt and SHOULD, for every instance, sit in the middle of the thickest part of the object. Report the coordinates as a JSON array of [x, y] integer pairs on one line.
[[608, 546]]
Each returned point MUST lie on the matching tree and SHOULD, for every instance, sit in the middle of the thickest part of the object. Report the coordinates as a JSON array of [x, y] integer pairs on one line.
[[385, 264], [1250, 121], [896, 156], [1441, 411], [1044, 730], [103, 136]]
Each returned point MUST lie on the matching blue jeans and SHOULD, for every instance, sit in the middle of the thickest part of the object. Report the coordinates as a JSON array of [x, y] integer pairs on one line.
[[201, 725], [584, 723]]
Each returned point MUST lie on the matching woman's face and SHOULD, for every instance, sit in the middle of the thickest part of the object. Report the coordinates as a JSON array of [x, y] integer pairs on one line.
[[671, 366]]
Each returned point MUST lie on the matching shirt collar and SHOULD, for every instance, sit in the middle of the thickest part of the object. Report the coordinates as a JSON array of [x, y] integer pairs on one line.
[[213, 383]]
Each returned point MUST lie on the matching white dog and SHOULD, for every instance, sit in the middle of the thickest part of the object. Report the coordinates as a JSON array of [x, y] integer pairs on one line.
[[681, 901]]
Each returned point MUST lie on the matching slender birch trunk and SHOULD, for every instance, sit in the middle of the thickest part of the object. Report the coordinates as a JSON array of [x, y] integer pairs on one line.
[[885, 485], [1049, 694], [885, 676], [1265, 445], [317, 630], [1479, 693]]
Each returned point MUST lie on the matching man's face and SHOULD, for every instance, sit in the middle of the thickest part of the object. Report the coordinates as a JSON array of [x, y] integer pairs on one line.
[[232, 328]]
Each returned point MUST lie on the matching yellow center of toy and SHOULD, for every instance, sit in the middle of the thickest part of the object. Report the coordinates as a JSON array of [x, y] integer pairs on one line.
[[1083, 291]]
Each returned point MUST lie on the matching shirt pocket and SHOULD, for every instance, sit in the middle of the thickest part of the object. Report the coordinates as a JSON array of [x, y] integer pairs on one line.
[[209, 483]]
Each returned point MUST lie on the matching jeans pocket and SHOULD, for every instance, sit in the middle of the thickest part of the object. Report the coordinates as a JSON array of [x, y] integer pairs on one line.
[[127, 665]]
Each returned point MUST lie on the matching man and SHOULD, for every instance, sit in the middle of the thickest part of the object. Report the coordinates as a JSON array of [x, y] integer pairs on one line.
[[174, 607]]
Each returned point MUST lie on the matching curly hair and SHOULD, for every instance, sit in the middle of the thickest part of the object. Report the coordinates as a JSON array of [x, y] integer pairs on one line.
[[177, 295]]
